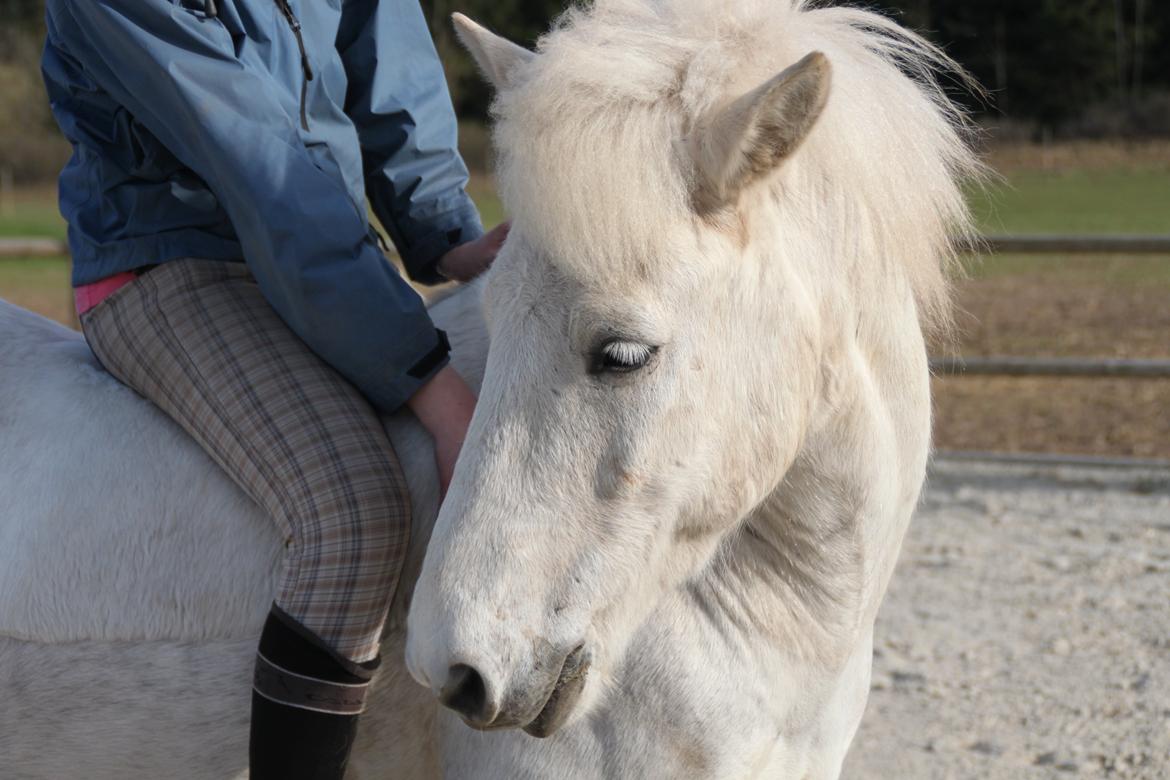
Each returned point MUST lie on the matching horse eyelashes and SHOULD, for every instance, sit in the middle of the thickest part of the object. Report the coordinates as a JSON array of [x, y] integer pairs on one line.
[[622, 356]]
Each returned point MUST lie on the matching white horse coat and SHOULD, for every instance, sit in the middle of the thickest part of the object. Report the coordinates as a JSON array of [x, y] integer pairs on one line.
[[135, 577], [703, 428]]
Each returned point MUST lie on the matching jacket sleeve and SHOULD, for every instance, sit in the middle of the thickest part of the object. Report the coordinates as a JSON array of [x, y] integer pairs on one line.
[[305, 240], [398, 100]]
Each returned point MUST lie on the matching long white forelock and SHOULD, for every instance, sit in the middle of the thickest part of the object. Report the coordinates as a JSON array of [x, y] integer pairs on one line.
[[586, 158]]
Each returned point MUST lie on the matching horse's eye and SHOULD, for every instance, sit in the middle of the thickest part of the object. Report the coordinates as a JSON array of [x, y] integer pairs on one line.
[[621, 357]]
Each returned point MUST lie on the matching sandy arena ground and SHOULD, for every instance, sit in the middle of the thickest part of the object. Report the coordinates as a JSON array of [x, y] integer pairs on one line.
[[1026, 633]]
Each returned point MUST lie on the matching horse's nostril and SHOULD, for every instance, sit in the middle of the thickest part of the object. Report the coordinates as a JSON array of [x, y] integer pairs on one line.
[[466, 693]]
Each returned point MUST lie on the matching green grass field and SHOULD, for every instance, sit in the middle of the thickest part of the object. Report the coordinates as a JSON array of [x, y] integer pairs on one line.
[[1122, 200], [1076, 201], [1071, 201], [32, 214]]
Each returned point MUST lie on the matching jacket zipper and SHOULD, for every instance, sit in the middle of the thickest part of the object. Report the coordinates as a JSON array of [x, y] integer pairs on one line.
[[306, 69]]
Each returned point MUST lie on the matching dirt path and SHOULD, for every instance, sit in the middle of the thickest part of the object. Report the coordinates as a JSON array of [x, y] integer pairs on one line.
[[1026, 633]]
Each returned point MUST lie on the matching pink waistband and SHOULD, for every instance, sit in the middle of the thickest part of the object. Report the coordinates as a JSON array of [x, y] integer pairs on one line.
[[87, 296]]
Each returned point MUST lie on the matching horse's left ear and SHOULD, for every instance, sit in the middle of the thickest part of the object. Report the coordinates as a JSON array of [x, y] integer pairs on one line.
[[749, 139], [497, 57]]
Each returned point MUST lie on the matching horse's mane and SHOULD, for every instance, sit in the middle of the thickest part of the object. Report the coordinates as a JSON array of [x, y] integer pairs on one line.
[[882, 171]]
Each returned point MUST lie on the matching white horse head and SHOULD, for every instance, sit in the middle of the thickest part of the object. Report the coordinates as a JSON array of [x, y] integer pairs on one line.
[[730, 222]]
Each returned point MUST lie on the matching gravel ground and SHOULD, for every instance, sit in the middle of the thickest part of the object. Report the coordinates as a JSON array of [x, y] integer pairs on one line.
[[1026, 633]]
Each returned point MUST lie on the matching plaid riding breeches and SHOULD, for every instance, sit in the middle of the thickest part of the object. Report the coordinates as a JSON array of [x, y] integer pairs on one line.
[[199, 340]]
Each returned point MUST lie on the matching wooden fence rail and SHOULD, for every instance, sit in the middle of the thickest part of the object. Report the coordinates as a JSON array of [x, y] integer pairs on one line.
[[32, 247], [1052, 459], [1037, 244], [1040, 366], [1065, 244]]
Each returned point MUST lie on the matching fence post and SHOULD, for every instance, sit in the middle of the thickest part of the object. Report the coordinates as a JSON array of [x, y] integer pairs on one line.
[[7, 196]]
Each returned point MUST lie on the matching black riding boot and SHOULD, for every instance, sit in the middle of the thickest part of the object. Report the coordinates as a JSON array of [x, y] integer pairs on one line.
[[305, 705]]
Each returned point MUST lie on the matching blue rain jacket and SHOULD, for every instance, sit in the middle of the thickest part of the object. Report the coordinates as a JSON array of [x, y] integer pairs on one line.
[[234, 135]]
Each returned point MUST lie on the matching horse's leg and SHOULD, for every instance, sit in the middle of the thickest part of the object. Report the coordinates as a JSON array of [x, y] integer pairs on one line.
[[842, 712]]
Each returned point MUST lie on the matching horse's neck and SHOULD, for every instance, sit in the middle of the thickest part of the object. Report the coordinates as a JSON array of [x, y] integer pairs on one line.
[[458, 314], [790, 575], [808, 567]]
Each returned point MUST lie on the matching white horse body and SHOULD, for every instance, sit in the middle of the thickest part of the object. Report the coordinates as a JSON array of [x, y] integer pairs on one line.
[[713, 534], [135, 577]]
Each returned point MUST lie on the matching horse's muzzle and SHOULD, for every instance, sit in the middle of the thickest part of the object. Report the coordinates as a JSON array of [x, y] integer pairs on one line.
[[540, 709], [565, 693]]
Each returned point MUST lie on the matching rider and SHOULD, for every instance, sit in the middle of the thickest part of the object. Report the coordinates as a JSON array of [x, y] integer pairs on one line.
[[225, 269]]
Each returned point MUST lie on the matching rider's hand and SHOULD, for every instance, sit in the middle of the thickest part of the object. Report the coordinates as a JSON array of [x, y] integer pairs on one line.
[[444, 406], [467, 261]]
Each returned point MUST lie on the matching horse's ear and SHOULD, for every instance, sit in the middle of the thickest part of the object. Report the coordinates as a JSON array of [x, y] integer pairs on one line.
[[497, 57], [749, 139]]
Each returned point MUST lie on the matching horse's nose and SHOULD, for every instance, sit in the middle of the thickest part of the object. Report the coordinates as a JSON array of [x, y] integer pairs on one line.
[[466, 693]]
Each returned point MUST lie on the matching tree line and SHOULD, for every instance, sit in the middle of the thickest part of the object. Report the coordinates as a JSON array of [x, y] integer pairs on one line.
[[1044, 62], [1051, 67], [1052, 61]]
